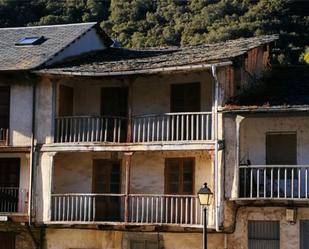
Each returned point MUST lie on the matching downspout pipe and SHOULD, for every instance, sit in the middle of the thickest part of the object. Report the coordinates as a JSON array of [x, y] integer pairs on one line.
[[217, 190], [32, 154]]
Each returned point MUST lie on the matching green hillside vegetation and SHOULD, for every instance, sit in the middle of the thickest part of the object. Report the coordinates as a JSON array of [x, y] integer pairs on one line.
[[148, 23]]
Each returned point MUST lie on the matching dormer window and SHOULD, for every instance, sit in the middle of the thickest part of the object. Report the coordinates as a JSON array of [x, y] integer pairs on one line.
[[37, 40]]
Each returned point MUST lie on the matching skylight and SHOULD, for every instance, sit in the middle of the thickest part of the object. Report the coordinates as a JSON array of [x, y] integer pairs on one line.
[[30, 41]]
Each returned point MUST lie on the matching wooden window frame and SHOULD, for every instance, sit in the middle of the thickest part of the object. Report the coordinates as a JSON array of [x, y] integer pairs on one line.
[[166, 180]]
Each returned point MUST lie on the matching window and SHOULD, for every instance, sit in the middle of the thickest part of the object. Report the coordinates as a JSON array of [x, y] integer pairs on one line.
[[281, 148], [304, 234], [179, 175], [141, 241], [30, 41], [263, 234]]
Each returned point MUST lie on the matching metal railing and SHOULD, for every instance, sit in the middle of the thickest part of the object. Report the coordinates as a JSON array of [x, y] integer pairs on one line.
[[86, 207], [165, 209], [13, 200], [190, 126], [4, 136], [273, 181]]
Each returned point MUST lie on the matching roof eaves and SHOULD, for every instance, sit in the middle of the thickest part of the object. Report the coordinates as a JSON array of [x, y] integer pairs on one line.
[[133, 72]]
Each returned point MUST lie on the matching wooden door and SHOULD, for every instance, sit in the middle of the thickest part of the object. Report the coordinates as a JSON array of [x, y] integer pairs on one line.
[[179, 180], [107, 180], [185, 97], [66, 96], [9, 184], [7, 240], [114, 103]]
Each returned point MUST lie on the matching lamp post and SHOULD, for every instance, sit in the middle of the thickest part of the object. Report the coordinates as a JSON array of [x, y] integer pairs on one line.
[[204, 195]]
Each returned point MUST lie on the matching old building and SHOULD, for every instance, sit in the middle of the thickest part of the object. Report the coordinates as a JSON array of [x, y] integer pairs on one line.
[[112, 144]]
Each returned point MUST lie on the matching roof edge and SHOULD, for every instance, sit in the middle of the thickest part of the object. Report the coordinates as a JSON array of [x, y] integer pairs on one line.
[[133, 72], [51, 25]]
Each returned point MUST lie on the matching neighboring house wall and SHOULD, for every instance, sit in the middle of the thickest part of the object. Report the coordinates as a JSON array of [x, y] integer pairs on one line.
[[289, 232], [90, 41], [20, 126]]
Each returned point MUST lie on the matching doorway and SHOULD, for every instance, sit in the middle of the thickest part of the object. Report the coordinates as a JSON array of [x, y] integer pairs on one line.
[[107, 180]]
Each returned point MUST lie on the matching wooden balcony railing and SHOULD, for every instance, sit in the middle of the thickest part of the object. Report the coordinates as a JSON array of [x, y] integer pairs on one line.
[[142, 209], [165, 209], [4, 136], [13, 200], [189, 126], [194, 126], [86, 207], [273, 181], [90, 129]]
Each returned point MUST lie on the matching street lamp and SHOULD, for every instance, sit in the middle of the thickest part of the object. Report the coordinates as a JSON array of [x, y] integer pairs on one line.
[[204, 195]]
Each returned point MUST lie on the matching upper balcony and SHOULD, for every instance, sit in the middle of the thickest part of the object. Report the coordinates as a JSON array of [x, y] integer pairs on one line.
[[153, 113]]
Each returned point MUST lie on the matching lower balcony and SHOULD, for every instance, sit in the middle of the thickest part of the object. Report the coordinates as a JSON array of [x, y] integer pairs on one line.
[[13, 200], [141, 209], [273, 182]]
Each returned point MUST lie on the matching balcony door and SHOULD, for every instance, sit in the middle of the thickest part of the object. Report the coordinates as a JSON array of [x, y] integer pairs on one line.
[[281, 150], [185, 97], [107, 180], [114, 107], [9, 184], [179, 180]]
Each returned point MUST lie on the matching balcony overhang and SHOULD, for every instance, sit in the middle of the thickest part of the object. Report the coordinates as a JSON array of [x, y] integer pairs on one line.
[[104, 147]]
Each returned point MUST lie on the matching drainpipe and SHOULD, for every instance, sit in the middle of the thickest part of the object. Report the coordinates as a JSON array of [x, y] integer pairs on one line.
[[217, 189], [32, 154]]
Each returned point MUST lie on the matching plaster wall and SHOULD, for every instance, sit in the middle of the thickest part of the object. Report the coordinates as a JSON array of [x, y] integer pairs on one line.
[[96, 239], [289, 232], [44, 111], [253, 137], [151, 94]]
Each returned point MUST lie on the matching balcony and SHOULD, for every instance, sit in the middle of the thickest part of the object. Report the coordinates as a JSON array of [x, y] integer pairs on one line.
[[143, 129], [142, 209], [13, 200], [4, 137], [273, 182]]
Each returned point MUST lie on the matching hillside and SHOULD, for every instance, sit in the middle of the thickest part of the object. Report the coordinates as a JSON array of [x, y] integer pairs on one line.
[[144, 23]]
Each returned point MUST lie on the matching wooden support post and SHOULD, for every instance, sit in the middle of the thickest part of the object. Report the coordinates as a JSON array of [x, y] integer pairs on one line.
[[130, 102], [128, 162]]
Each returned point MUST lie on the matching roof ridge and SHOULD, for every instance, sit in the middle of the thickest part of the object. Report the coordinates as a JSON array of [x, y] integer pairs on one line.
[[51, 25]]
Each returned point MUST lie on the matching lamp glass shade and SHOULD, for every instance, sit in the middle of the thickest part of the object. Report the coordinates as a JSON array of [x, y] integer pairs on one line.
[[204, 195]]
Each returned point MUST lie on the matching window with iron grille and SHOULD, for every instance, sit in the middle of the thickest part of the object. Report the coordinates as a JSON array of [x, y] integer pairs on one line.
[[263, 234]]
